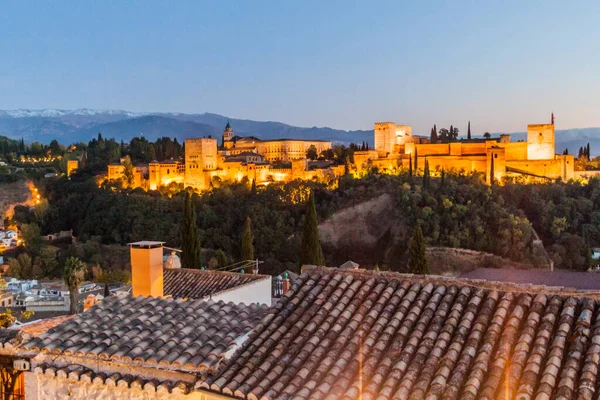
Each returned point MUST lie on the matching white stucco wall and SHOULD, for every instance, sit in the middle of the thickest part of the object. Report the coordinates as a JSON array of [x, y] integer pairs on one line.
[[255, 292], [42, 387]]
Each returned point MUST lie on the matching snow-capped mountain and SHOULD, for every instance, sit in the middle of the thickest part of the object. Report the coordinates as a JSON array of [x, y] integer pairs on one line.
[[71, 126], [49, 113]]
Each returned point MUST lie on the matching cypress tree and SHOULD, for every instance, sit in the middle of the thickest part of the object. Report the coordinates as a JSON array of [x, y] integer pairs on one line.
[[221, 258], [587, 151], [433, 135], [253, 188], [416, 161], [469, 131], [492, 171], [443, 178], [410, 167], [247, 239], [417, 263], [426, 174], [190, 242], [451, 133], [311, 252]]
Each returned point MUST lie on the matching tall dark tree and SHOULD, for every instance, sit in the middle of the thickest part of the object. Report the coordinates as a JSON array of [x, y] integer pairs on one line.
[[587, 152], [442, 178], [311, 252], [410, 166], [190, 242], [433, 135], [253, 187], [416, 161], [492, 174], [426, 175], [247, 241], [221, 258], [73, 275], [469, 131], [417, 262]]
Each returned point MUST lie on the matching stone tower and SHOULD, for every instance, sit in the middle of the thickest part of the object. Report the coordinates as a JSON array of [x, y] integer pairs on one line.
[[227, 133], [540, 142], [200, 158]]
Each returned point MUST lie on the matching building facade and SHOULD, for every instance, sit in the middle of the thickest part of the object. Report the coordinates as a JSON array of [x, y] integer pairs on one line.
[[240, 157], [396, 147]]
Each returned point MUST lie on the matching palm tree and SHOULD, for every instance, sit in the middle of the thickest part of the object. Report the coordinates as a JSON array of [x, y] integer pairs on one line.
[[73, 276]]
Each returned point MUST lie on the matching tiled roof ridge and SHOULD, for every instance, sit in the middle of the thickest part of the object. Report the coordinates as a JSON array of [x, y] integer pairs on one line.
[[126, 381], [132, 341], [194, 283], [460, 281], [351, 335]]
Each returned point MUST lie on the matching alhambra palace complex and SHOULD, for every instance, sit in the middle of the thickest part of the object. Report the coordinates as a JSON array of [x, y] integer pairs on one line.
[[395, 147]]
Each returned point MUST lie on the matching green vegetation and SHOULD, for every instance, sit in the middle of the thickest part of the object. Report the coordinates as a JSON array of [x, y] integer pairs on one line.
[[73, 275], [417, 263], [247, 241], [190, 243], [453, 210], [311, 252]]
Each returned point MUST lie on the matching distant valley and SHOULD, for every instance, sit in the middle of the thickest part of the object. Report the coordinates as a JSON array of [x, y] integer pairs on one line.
[[72, 126]]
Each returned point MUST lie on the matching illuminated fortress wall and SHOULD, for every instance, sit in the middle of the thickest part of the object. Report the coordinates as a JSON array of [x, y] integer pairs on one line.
[[395, 145]]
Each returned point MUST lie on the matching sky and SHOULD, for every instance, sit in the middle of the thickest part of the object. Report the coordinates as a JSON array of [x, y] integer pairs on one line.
[[342, 64]]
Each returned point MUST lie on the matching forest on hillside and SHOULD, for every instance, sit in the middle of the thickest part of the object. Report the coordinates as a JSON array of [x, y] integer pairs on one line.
[[456, 210]]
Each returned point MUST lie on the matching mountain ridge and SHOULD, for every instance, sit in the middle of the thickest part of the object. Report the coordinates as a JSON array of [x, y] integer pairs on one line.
[[73, 126]]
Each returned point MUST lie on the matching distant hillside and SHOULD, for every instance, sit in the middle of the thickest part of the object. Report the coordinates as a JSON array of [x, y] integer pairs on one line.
[[68, 126]]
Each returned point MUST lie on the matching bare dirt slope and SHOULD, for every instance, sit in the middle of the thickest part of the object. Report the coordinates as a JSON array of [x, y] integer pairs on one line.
[[370, 233]]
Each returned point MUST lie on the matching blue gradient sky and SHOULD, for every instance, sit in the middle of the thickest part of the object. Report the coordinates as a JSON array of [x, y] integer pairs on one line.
[[501, 64]]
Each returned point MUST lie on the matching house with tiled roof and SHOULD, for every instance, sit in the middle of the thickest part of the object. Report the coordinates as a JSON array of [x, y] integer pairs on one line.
[[370, 335], [336, 334], [151, 278]]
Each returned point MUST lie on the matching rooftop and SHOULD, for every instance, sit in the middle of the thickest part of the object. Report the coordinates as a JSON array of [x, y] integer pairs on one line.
[[371, 335], [167, 333], [567, 279], [198, 284]]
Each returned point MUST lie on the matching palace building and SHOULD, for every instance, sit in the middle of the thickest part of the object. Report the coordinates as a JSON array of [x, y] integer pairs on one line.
[[239, 157], [396, 147]]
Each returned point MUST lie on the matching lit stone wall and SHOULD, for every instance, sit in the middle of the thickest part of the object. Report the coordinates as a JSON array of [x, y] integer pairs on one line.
[[561, 166], [389, 137], [164, 173], [115, 172], [540, 142], [72, 165], [200, 156]]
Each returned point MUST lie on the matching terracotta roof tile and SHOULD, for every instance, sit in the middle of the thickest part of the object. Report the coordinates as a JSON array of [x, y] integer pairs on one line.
[[198, 284], [82, 374], [185, 335], [349, 335]]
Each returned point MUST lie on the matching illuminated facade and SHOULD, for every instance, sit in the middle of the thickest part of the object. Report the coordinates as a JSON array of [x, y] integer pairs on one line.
[[240, 158], [395, 147], [72, 165], [272, 150]]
